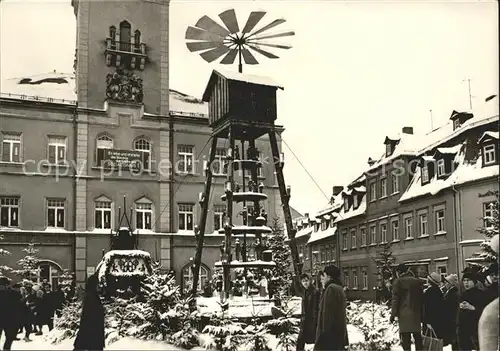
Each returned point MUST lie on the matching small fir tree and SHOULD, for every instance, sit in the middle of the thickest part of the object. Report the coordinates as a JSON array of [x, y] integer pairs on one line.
[[489, 230], [29, 263], [3, 268], [281, 274], [384, 262]]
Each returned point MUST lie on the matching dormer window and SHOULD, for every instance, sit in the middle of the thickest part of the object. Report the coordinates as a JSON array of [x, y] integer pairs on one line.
[[355, 202], [324, 225], [456, 124], [388, 150], [346, 204], [425, 174], [490, 156], [390, 145], [440, 167], [459, 118]]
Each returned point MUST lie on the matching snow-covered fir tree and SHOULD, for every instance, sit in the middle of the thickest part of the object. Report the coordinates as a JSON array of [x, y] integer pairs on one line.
[[384, 262], [3, 253], [29, 263], [281, 274], [489, 230]]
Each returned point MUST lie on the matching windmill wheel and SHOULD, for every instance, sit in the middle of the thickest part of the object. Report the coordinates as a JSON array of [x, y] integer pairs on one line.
[[228, 40]]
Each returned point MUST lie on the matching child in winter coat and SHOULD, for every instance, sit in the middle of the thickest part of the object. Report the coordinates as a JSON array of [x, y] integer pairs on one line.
[[470, 309]]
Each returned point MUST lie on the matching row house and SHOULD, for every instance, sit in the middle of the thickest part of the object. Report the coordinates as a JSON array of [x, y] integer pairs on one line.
[[423, 199]]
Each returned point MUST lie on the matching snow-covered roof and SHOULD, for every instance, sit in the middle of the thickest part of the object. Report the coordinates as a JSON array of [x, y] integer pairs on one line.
[[57, 87], [304, 232], [352, 213], [464, 172], [322, 234], [449, 150], [493, 135]]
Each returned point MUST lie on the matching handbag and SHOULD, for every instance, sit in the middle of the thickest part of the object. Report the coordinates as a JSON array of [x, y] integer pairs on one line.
[[431, 342]]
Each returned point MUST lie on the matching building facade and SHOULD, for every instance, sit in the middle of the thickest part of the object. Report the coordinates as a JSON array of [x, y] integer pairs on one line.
[[423, 200], [74, 146]]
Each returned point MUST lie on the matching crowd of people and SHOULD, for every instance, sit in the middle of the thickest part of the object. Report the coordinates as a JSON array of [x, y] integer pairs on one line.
[[26, 308]]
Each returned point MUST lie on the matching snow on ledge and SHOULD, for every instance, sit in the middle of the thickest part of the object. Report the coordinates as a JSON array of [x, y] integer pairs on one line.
[[471, 242]]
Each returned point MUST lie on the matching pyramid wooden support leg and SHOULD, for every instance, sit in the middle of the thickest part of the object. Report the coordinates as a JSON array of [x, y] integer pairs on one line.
[[203, 220], [285, 202]]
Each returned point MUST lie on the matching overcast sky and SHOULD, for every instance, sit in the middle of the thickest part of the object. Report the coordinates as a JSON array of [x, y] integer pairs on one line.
[[357, 71]]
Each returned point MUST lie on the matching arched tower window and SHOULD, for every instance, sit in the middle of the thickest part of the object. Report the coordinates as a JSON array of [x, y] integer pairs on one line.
[[125, 36], [137, 41], [144, 146], [103, 142]]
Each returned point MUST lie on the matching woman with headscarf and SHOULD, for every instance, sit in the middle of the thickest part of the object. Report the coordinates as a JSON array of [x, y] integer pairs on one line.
[[470, 309], [91, 332], [433, 306], [450, 309]]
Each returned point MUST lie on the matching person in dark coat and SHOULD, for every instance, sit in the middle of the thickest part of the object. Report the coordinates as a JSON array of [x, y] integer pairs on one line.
[[470, 309], [450, 311], [331, 329], [10, 312], [90, 335], [58, 299], [491, 283], [310, 300], [433, 306], [407, 303]]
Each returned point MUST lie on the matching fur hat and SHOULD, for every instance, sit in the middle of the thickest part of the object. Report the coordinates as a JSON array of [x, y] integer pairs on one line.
[[402, 268], [452, 279], [434, 278], [470, 275], [333, 271]]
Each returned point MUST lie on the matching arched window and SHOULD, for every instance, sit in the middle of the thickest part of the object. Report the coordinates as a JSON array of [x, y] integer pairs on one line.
[[112, 33], [144, 210], [187, 277], [125, 36], [137, 41], [49, 271], [103, 142], [144, 146]]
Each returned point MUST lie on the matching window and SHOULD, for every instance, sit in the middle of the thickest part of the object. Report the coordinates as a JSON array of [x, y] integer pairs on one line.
[[187, 277], [57, 150], [186, 156], [395, 230], [55, 213], [383, 187], [322, 252], [353, 238], [332, 222], [144, 146], [344, 239], [219, 217], [440, 167], [220, 164], [388, 149], [373, 235], [373, 191], [186, 217], [137, 41], [422, 224], [363, 236], [408, 227], [144, 214], [440, 221], [346, 278], [425, 174], [9, 212], [355, 278], [355, 201], [103, 143], [395, 183], [11, 147], [48, 271], [125, 36], [383, 232], [103, 214], [324, 224], [488, 214], [456, 124], [364, 274], [112, 33], [489, 154], [442, 269], [346, 204]]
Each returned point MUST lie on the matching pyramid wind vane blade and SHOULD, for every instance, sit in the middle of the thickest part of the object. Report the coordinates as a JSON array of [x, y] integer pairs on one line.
[[253, 19], [269, 26], [193, 33], [263, 52], [230, 57], [202, 45], [271, 45], [214, 54], [248, 57], [229, 19], [211, 26], [279, 35]]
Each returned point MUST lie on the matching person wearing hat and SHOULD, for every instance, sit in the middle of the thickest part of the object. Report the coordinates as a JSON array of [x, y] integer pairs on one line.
[[470, 309], [433, 306], [407, 303], [450, 309], [331, 328], [10, 312]]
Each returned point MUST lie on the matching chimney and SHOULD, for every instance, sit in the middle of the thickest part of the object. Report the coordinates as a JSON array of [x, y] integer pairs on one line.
[[306, 215], [407, 130], [370, 161], [337, 190]]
